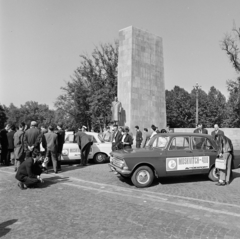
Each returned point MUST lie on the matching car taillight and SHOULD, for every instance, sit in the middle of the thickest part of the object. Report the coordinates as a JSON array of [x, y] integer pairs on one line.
[[65, 152]]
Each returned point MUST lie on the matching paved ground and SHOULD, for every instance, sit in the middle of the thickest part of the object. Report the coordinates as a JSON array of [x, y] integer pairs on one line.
[[91, 202]]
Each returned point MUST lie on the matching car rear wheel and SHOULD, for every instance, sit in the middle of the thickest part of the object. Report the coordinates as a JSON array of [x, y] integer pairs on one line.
[[214, 174], [142, 177], [100, 158]]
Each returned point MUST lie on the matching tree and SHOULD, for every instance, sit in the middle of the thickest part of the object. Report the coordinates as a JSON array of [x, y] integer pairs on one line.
[[233, 105], [87, 97], [178, 104], [30, 111], [230, 45], [3, 117], [216, 110]]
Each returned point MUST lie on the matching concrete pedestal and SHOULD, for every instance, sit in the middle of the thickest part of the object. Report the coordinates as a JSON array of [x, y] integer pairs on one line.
[[141, 87]]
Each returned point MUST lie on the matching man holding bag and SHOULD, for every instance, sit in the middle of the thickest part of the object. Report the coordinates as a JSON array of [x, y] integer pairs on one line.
[[225, 152]]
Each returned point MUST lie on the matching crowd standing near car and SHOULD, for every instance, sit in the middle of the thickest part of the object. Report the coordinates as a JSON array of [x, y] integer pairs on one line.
[[22, 145]]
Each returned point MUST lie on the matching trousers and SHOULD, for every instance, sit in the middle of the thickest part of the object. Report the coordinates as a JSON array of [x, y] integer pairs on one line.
[[225, 174], [84, 153]]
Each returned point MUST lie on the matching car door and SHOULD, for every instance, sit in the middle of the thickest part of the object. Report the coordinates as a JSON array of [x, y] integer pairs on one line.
[[201, 159], [210, 152], [71, 150], [180, 157]]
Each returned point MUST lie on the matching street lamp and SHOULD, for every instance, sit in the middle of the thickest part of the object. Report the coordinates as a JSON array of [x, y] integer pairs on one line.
[[197, 87]]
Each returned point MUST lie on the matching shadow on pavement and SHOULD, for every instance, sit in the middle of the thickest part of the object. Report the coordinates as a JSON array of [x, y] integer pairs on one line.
[[183, 179], [235, 175], [52, 180], [3, 227]]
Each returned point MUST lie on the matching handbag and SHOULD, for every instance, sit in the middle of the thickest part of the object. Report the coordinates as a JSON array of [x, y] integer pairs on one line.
[[220, 163]]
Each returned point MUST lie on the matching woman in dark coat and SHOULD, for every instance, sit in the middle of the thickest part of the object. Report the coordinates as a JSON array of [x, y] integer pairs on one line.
[[127, 139]]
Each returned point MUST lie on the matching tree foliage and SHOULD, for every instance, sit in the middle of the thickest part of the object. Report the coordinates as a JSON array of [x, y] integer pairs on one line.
[[3, 117], [87, 97], [28, 112]]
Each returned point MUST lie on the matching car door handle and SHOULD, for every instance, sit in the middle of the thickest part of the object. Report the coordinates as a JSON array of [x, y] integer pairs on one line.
[[188, 151]]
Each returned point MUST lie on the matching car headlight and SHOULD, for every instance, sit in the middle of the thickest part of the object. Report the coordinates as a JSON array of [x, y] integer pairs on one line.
[[65, 152]]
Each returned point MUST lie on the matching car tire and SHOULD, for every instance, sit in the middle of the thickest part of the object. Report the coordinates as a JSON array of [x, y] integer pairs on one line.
[[142, 177], [100, 158], [214, 174]]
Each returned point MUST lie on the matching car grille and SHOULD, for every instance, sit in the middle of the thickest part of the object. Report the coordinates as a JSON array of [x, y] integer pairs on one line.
[[117, 162]]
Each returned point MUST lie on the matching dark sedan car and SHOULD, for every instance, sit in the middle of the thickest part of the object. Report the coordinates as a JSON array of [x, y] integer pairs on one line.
[[169, 154]]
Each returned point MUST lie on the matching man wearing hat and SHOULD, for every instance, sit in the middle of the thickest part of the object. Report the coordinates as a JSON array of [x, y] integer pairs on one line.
[[84, 142], [31, 139]]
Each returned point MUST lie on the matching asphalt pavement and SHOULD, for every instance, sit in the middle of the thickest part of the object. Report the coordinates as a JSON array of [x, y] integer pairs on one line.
[[92, 202]]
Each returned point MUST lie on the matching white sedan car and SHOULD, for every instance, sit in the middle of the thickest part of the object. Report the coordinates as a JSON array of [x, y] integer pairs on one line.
[[99, 152]]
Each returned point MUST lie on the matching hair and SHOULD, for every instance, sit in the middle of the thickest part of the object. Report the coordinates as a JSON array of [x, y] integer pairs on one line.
[[127, 129], [163, 131], [51, 127], [60, 124], [153, 127], [122, 129], [145, 129], [12, 127], [136, 127], [22, 125]]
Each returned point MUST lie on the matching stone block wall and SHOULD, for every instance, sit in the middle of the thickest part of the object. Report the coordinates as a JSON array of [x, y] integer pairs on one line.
[[141, 87]]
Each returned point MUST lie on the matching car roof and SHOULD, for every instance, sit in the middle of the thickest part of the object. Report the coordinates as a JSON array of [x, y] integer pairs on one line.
[[183, 134]]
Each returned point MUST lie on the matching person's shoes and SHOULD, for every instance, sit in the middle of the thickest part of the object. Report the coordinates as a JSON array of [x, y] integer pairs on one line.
[[227, 183], [220, 184], [21, 185], [56, 172]]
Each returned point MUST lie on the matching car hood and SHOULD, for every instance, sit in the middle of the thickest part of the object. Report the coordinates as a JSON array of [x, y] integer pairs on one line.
[[132, 153]]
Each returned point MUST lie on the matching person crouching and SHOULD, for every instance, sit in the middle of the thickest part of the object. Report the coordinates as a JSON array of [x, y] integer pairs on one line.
[[28, 173]]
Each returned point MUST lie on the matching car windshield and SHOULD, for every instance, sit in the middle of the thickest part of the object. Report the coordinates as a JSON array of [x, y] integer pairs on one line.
[[158, 142]]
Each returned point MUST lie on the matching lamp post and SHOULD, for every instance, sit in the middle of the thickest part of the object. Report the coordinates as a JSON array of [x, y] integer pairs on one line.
[[197, 87]]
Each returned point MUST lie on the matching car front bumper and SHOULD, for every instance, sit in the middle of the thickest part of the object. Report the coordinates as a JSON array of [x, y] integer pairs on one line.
[[124, 172]]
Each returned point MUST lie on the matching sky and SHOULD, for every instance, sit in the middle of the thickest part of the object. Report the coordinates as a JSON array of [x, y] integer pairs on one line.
[[41, 41]]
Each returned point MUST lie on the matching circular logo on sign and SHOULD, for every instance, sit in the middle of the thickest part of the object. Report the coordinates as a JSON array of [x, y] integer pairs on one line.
[[172, 164]]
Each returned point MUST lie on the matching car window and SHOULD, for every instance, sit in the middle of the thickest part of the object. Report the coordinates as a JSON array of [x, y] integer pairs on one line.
[[207, 145], [160, 142], [180, 143]]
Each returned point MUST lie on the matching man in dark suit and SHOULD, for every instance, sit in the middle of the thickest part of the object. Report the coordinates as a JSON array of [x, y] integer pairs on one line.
[[116, 138], [28, 173], [146, 137], [31, 139], [61, 140], [138, 137], [84, 142], [52, 146], [216, 131], [10, 154], [4, 145], [200, 129]]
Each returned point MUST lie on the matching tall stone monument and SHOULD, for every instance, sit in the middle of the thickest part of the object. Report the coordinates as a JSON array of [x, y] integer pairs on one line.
[[141, 87]]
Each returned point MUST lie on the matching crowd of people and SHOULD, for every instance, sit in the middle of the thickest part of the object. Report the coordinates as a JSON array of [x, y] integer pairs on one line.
[[23, 147], [122, 138]]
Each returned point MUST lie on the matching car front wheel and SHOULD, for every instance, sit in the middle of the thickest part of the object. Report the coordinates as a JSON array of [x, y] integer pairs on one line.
[[142, 177], [100, 158], [214, 174]]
